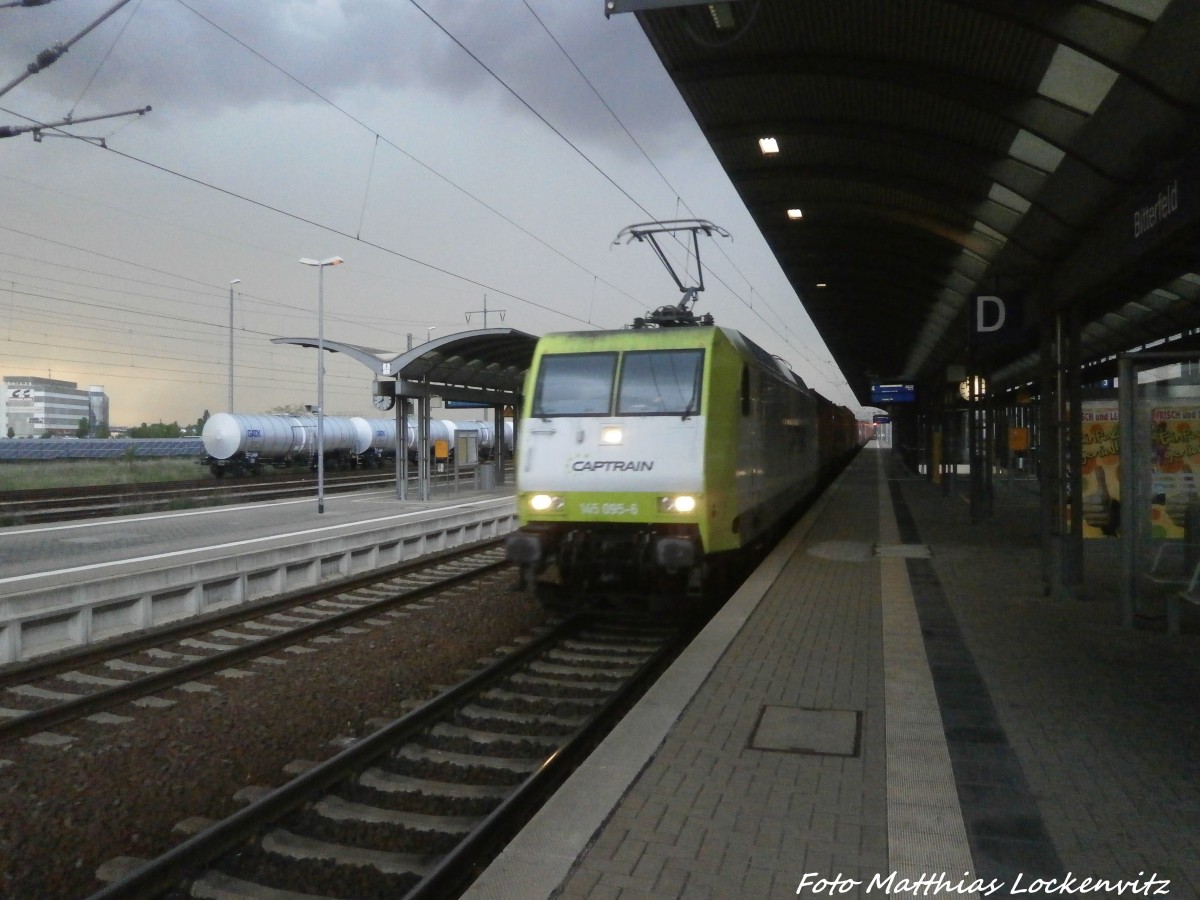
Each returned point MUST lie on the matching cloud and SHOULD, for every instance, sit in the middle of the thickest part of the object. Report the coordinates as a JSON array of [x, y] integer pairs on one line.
[[467, 195], [190, 60]]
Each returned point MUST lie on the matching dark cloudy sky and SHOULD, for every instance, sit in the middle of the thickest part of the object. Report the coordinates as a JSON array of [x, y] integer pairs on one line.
[[450, 151]]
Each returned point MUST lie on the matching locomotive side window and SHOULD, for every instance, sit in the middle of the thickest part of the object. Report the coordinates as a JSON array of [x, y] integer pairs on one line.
[[745, 390], [574, 384], [661, 383]]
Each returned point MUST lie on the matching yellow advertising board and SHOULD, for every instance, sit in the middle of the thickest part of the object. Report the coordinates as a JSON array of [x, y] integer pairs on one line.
[[1101, 468], [1174, 459]]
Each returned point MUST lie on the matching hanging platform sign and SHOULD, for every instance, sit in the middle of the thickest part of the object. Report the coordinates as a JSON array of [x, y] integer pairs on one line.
[[894, 392], [996, 321]]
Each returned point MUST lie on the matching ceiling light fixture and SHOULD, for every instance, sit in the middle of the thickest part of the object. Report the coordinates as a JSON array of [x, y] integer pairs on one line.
[[722, 16]]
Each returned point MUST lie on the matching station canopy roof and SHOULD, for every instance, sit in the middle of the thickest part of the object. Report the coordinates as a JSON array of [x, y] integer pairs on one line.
[[1043, 151], [485, 365]]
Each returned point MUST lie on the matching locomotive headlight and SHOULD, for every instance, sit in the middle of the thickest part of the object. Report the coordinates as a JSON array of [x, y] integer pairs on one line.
[[684, 503], [611, 434], [545, 503]]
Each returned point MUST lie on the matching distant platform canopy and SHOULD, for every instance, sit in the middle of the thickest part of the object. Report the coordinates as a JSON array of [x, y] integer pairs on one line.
[[482, 366]]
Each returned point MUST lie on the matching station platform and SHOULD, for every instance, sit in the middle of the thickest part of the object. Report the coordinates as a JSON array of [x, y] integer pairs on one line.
[[31, 552], [893, 706], [67, 584]]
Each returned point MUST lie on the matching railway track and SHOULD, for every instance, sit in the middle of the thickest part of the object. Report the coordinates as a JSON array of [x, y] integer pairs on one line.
[[63, 504], [93, 501], [56, 691], [414, 808]]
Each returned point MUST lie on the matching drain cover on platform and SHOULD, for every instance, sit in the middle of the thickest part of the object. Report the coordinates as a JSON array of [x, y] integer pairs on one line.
[[842, 551], [792, 729], [904, 551]]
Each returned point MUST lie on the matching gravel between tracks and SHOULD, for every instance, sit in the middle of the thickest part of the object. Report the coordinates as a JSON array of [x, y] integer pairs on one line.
[[119, 790]]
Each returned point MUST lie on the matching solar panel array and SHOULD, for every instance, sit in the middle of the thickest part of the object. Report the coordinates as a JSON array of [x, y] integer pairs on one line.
[[98, 448]]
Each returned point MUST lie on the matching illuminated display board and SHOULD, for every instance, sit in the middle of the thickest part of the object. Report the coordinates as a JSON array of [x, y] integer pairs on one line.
[[893, 392]]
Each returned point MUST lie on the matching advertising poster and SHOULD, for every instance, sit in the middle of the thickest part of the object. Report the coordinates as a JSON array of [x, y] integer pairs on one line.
[[1174, 459], [1101, 469]]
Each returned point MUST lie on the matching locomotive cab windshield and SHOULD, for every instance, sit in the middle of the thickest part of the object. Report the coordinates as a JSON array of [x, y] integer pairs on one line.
[[649, 383]]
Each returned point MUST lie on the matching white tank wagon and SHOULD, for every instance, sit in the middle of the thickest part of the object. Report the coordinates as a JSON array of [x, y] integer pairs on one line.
[[487, 437], [241, 444], [375, 441], [376, 438], [447, 430]]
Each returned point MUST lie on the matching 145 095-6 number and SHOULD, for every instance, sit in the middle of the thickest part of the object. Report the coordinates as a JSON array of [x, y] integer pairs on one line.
[[608, 509]]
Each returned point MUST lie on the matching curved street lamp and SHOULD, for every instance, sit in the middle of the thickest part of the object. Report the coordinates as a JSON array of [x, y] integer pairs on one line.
[[321, 264], [231, 284]]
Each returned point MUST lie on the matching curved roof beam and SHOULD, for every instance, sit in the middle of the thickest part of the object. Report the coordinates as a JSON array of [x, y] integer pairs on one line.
[[837, 273], [1053, 122], [794, 135], [950, 205], [857, 240], [858, 234], [1105, 34]]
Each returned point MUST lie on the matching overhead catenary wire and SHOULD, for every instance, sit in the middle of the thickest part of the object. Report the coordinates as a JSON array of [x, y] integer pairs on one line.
[[720, 249], [380, 137], [357, 236], [107, 53], [51, 55]]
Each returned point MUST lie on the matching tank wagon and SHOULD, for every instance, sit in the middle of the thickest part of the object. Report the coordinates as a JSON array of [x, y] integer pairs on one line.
[[653, 459], [240, 444]]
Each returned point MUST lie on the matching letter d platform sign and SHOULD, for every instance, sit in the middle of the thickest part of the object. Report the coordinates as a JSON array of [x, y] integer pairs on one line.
[[996, 322], [990, 313]]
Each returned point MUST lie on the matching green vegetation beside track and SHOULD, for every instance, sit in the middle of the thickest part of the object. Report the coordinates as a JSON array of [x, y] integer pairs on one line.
[[41, 474]]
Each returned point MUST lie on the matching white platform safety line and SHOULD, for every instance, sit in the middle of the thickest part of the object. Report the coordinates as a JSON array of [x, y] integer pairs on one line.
[[926, 833]]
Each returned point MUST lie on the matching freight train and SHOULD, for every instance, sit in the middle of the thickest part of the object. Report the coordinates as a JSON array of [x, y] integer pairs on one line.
[[653, 460], [244, 444]]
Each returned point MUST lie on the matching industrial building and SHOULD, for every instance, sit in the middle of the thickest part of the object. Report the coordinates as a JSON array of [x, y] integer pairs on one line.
[[34, 407]]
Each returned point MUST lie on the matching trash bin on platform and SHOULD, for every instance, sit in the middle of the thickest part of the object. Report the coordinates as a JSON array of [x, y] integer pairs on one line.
[[487, 476]]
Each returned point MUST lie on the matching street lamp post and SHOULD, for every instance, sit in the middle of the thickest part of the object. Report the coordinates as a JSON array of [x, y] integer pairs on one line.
[[229, 408], [321, 264]]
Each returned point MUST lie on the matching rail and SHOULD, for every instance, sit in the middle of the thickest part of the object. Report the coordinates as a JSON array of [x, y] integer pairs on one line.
[[428, 874]]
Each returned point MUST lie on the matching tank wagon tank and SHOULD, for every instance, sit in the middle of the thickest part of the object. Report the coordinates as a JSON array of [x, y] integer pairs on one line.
[[375, 441], [447, 430], [656, 459], [238, 444]]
